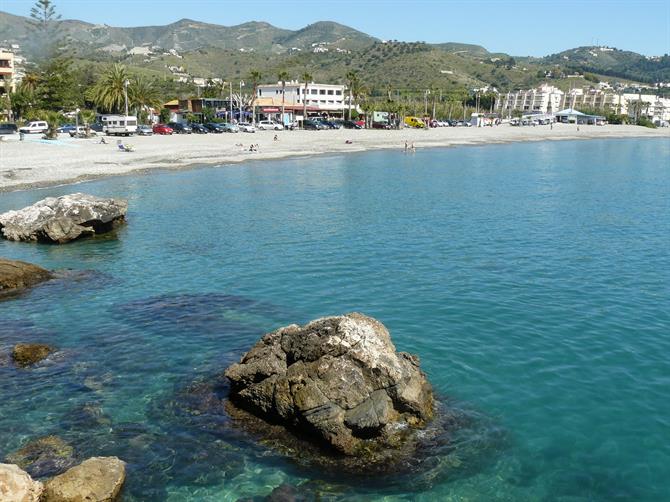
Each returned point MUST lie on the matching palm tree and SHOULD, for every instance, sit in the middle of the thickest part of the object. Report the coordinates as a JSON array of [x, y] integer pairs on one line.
[[283, 76], [306, 77], [108, 93], [352, 79], [142, 93], [255, 77]]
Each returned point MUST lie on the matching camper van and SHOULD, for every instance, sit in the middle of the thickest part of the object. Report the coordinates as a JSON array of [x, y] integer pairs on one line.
[[121, 125], [414, 122]]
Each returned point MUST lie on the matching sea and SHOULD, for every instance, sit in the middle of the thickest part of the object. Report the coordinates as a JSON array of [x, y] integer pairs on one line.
[[531, 279]]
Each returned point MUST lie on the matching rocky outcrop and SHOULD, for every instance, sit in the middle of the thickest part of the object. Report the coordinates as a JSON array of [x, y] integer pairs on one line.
[[98, 479], [44, 457], [17, 485], [338, 379], [63, 219], [15, 275], [27, 354]]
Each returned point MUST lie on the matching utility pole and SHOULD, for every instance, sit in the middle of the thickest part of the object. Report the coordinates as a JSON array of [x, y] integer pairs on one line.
[[230, 98], [239, 98]]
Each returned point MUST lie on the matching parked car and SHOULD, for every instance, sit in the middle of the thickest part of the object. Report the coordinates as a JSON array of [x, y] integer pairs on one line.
[[162, 129], [246, 127], [37, 126], [350, 124], [264, 125], [381, 125], [66, 128], [414, 122], [144, 130], [313, 125], [80, 131], [214, 127], [228, 127], [179, 128], [329, 124], [8, 128], [199, 128]]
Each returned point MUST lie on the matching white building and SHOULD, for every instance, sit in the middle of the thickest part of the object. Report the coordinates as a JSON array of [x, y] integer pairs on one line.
[[321, 99], [544, 99], [653, 107]]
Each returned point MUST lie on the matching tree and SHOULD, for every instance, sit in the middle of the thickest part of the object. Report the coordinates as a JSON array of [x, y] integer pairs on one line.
[[45, 28], [352, 79], [255, 77], [283, 76], [142, 94], [109, 92], [306, 77]]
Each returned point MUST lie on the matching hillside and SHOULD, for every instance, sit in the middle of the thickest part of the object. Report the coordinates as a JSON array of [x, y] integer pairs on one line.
[[328, 51]]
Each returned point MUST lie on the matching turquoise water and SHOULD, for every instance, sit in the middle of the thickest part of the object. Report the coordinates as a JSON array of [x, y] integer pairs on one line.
[[533, 280]]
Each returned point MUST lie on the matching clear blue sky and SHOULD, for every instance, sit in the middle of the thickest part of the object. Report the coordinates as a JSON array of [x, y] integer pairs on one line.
[[517, 27]]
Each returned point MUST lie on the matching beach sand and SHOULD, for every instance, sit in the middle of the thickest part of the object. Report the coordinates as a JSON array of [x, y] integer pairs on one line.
[[37, 163]]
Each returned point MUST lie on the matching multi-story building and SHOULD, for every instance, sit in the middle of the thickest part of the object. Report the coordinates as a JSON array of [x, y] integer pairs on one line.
[[544, 99], [655, 108], [7, 83], [596, 99], [328, 99]]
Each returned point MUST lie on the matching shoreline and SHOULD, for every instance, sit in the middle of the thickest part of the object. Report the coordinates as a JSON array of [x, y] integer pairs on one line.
[[71, 161]]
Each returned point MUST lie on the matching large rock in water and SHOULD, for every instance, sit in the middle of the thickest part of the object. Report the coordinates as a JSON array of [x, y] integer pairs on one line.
[[98, 479], [338, 379], [62, 219], [16, 275], [17, 485]]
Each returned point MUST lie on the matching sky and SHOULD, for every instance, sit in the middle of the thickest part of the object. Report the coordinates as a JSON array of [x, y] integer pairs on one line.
[[516, 27]]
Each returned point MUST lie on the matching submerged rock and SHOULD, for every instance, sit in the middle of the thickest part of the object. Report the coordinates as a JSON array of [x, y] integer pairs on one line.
[[338, 380], [16, 275], [27, 354], [98, 479], [62, 219], [43, 457], [16, 485]]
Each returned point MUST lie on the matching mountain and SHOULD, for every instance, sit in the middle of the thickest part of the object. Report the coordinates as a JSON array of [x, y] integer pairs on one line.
[[189, 35], [614, 62]]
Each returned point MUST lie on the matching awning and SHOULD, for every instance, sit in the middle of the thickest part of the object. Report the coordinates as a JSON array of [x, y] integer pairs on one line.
[[269, 110]]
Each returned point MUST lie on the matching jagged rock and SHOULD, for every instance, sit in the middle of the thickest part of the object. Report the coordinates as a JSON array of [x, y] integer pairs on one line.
[[98, 479], [338, 379], [43, 457], [27, 354], [19, 274], [16, 485], [62, 219]]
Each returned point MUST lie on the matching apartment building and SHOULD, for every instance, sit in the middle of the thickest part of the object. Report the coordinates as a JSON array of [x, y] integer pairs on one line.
[[7, 80], [544, 99], [597, 99], [330, 99]]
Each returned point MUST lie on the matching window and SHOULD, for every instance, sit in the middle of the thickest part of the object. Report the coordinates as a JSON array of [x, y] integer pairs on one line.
[[322, 91], [314, 91], [330, 92], [339, 93]]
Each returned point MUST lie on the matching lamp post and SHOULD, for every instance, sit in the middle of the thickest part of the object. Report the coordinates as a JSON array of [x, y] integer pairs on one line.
[[425, 102], [240, 99], [125, 93], [76, 122], [230, 88]]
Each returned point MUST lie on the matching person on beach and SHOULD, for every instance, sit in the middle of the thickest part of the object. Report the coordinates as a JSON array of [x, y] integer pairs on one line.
[[413, 147], [276, 138], [406, 145]]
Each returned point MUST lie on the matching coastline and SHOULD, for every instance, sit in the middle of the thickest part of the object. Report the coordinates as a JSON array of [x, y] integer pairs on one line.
[[35, 163]]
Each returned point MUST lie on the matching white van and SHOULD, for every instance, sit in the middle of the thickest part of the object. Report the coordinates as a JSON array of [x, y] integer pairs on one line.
[[122, 125], [37, 126]]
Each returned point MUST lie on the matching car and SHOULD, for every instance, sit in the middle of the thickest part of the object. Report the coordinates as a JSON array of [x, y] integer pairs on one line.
[[198, 128], [264, 125], [67, 128], [81, 132], [162, 129], [228, 127], [8, 128], [97, 127], [246, 127], [214, 127], [144, 130], [381, 125], [329, 124], [36, 126], [179, 128], [313, 125], [350, 124]]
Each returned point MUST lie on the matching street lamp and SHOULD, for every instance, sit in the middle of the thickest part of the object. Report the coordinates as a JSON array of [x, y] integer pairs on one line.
[[425, 102], [125, 93], [76, 122], [240, 99]]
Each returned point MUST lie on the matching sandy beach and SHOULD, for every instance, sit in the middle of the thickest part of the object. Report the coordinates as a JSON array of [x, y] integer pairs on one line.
[[36, 163]]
